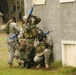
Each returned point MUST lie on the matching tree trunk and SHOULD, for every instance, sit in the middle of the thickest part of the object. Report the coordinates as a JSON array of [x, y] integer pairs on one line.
[[11, 7]]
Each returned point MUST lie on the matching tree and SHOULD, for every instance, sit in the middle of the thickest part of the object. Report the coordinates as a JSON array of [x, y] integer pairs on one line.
[[11, 7]]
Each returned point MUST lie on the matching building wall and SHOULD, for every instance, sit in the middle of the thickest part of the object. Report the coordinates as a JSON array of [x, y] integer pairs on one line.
[[61, 18]]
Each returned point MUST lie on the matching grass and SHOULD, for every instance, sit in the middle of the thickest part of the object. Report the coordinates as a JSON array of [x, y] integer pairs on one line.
[[56, 67]]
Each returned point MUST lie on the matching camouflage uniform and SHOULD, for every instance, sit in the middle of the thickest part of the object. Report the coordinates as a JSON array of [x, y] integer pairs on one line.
[[30, 37], [29, 30], [12, 39], [20, 53], [30, 33], [43, 49]]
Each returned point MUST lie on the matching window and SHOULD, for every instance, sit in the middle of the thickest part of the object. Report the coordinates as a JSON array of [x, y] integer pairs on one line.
[[63, 1], [69, 53], [38, 2]]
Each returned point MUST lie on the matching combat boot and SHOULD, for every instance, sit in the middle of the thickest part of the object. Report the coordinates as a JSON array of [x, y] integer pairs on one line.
[[20, 63], [47, 66], [38, 66], [10, 65]]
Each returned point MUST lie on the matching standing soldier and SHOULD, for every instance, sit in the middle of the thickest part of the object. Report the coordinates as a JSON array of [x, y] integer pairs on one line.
[[21, 53], [30, 33], [12, 31]]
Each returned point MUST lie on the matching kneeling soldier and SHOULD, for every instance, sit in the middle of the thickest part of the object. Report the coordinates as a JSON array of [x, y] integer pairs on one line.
[[43, 53], [20, 53]]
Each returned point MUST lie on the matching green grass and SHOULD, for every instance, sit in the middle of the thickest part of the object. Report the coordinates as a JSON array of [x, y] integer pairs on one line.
[[55, 69]]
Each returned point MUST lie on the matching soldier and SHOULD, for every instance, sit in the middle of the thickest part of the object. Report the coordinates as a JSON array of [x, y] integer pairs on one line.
[[24, 27], [30, 34], [12, 31], [20, 54], [43, 51]]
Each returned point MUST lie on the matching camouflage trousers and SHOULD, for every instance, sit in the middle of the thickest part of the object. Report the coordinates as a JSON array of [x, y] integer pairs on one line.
[[45, 57], [25, 54], [11, 49]]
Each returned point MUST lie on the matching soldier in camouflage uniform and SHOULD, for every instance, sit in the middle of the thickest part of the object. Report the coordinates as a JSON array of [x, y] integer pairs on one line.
[[30, 34], [12, 30], [43, 49], [20, 53]]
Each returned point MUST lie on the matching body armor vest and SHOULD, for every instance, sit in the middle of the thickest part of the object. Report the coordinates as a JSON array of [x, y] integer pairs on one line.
[[31, 33], [40, 48]]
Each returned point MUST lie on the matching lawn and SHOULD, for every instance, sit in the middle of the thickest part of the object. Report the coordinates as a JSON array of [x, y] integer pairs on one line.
[[55, 69]]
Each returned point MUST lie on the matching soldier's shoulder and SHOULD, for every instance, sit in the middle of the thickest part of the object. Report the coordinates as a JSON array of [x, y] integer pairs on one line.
[[13, 24]]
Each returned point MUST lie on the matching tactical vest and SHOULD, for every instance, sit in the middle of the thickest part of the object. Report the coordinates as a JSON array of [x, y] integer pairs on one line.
[[31, 33], [40, 48]]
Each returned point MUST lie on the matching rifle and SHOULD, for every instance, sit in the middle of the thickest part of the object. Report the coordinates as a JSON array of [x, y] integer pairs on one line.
[[45, 33], [15, 35], [30, 12], [28, 18]]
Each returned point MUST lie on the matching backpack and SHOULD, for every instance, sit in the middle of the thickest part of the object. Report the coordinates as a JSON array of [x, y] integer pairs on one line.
[[7, 28]]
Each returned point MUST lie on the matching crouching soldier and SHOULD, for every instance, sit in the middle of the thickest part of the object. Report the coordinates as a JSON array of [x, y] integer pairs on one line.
[[25, 54], [43, 52], [20, 54]]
